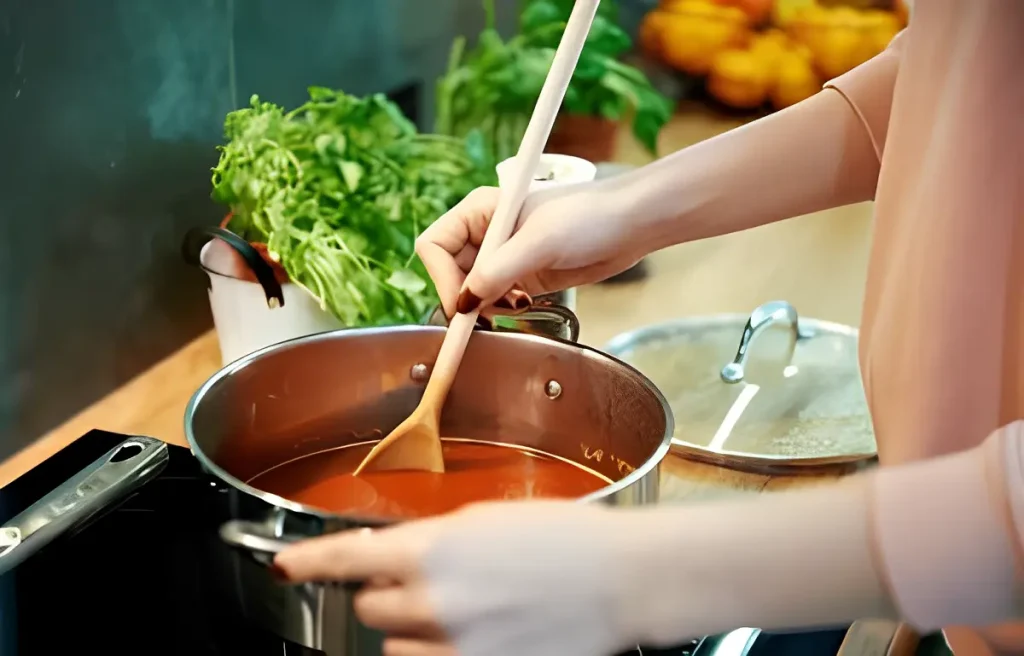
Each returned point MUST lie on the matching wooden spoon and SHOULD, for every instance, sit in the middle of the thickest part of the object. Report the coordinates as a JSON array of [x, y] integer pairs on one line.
[[416, 443]]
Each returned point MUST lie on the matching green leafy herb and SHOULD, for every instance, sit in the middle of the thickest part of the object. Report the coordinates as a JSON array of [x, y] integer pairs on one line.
[[491, 89], [339, 189]]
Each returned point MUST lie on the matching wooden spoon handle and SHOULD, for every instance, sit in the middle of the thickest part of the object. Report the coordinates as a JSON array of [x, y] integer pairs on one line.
[[447, 364], [512, 197]]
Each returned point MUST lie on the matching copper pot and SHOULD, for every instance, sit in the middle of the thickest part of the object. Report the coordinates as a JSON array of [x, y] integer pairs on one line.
[[339, 388]]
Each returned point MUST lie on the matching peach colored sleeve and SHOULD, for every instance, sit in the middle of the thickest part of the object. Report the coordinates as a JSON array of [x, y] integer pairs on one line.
[[869, 90], [949, 534]]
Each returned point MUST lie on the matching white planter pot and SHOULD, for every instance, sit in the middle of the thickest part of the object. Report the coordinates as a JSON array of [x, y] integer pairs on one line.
[[245, 318]]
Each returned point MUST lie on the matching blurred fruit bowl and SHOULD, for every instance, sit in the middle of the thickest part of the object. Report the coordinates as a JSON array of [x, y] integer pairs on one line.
[[746, 69], [687, 34], [841, 38], [771, 69]]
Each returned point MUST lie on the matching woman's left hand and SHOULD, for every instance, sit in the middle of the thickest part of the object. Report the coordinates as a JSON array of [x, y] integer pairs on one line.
[[508, 578]]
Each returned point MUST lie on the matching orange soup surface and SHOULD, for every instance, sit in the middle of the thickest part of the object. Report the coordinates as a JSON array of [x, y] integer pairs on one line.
[[474, 471]]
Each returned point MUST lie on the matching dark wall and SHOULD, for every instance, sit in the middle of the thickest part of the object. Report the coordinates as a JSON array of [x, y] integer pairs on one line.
[[109, 114]]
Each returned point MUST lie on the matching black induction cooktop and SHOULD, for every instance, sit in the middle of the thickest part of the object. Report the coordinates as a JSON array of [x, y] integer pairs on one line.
[[132, 580], [135, 578]]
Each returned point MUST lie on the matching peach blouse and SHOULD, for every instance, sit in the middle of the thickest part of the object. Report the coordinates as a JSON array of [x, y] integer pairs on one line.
[[942, 336]]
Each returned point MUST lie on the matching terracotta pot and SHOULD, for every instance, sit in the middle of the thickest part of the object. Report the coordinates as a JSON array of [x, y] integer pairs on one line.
[[588, 137]]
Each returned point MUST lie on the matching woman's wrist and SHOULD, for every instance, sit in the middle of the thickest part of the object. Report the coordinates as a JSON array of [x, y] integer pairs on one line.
[[660, 204], [630, 208]]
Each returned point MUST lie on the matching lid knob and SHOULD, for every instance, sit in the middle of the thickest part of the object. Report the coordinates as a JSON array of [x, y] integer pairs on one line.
[[763, 316]]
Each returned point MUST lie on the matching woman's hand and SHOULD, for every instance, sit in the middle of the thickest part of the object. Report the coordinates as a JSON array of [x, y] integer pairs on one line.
[[498, 579], [565, 237]]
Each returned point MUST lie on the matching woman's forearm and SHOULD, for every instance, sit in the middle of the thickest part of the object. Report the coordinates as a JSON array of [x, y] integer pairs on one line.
[[812, 156], [783, 561], [934, 543]]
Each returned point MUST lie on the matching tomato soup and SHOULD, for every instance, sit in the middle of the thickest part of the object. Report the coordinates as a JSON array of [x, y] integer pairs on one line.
[[474, 471]]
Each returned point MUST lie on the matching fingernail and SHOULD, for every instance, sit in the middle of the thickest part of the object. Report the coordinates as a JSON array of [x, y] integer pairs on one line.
[[468, 302], [522, 301], [516, 300], [278, 573]]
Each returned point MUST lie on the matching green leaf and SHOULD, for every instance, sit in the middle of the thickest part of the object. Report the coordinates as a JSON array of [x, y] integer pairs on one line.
[[539, 13], [407, 281], [631, 73], [612, 108], [352, 173], [490, 41], [330, 144], [573, 99], [476, 147], [606, 38], [589, 69], [323, 142], [319, 93], [647, 125]]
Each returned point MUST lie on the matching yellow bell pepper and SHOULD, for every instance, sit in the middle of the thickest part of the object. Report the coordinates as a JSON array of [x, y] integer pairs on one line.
[[739, 79], [695, 31], [652, 32], [795, 80]]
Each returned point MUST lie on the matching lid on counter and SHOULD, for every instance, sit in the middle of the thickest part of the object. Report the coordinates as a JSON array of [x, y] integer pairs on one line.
[[766, 391]]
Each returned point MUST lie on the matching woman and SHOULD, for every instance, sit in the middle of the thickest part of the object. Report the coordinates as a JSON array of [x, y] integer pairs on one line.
[[931, 130]]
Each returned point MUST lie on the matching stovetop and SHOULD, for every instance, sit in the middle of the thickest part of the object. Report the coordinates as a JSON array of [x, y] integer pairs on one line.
[[131, 581], [135, 579]]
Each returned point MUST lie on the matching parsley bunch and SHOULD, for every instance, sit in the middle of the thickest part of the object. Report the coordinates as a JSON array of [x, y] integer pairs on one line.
[[338, 189]]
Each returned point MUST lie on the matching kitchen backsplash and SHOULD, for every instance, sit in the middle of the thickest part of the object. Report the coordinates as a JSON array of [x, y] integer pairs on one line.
[[110, 111]]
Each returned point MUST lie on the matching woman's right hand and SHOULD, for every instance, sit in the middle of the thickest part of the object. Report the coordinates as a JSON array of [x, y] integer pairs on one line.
[[564, 237]]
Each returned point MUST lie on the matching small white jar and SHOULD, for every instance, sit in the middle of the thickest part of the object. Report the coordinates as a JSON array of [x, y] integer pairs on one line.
[[554, 170]]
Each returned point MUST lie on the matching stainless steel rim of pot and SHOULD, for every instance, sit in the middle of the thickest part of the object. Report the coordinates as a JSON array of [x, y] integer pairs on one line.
[[764, 315], [640, 472]]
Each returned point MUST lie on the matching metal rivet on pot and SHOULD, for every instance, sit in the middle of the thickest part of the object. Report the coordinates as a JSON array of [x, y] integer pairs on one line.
[[553, 389], [420, 373]]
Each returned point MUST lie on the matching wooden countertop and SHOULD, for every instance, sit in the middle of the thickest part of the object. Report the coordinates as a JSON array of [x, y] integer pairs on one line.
[[816, 262]]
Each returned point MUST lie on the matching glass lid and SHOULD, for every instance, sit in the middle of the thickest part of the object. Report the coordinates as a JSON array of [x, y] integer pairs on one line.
[[770, 389]]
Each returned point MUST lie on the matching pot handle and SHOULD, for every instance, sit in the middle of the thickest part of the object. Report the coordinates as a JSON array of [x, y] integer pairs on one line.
[[254, 538], [261, 542], [98, 487], [762, 317], [543, 319], [196, 238]]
